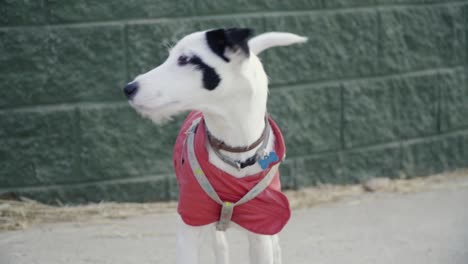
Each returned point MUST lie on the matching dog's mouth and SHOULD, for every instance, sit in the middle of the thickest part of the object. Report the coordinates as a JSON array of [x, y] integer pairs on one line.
[[159, 113], [154, 108]]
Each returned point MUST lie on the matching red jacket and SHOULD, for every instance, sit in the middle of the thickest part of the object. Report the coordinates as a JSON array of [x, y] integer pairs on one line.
[[266, 214]]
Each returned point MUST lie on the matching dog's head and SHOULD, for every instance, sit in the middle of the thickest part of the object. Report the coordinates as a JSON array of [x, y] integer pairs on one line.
[[204, 71]]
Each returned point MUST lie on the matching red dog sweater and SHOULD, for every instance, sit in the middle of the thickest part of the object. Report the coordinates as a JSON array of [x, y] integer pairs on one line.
[[266, 214]]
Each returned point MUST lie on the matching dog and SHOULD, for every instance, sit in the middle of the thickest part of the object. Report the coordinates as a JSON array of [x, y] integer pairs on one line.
[[228, 150]]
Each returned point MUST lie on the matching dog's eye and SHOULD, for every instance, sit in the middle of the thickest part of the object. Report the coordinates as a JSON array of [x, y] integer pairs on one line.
[[182, 60]]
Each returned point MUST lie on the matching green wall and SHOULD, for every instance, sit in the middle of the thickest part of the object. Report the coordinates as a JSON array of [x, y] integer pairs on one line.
[[379, 90]]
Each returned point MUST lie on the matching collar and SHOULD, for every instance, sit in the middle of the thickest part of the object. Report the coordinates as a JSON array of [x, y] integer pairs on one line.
[[218, 144], [202, 153], [260, 154]]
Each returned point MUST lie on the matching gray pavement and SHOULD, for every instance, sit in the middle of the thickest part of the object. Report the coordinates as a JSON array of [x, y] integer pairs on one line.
[[428, 228]]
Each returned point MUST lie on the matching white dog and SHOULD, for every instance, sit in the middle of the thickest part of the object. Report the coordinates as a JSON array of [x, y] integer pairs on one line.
[[228, 150]]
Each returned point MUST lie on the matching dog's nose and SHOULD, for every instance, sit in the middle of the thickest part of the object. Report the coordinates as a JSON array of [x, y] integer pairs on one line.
[[130, 89]]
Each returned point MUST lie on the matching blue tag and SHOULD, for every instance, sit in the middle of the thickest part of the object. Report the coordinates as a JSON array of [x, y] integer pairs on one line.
[[265, 161]]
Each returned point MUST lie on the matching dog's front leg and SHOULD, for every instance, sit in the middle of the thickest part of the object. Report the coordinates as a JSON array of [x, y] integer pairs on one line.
[[261, 249], [189, 239], [220, 247], [277, 259]]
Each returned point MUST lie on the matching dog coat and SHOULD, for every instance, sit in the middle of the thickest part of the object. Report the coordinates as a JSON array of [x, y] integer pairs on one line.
[[267, 213]]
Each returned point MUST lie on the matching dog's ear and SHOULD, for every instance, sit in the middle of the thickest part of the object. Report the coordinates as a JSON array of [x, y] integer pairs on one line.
[[273, 39], [232, 38]]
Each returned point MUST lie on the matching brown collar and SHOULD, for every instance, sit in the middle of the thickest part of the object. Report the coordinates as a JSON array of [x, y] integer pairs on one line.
[[220, 145]]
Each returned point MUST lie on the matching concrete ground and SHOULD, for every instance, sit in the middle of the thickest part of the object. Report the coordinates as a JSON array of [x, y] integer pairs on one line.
[[428, 227]]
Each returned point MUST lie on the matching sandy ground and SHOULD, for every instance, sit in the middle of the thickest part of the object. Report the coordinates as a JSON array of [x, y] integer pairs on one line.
[[410, 224]]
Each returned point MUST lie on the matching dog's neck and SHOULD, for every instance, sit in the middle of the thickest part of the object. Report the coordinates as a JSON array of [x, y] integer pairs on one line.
[[237, 129], [239, 122]]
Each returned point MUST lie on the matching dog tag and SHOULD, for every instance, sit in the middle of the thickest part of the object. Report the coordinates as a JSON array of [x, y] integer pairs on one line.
[[266, 160]]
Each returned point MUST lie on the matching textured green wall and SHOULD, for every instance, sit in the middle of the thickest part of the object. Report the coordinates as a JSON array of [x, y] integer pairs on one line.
[[379, 90]]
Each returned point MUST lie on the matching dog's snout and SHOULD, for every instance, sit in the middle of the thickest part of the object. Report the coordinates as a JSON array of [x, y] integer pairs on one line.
[[130, 89]]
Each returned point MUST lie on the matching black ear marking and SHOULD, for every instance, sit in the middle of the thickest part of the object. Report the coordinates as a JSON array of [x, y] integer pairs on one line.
[[233, 38], [239, 37], [217, 42]]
